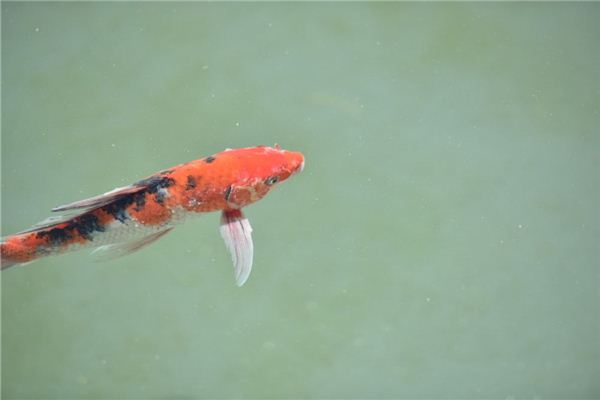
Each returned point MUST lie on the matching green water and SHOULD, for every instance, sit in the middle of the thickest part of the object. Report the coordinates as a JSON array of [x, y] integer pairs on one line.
[[441, 242]]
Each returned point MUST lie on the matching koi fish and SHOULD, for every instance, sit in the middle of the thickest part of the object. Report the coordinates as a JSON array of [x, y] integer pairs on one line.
[[129, 218]]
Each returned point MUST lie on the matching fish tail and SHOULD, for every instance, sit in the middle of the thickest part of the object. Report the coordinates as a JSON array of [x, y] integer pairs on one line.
[[138, 214], [5, 260], [14, 250], [48, 237]]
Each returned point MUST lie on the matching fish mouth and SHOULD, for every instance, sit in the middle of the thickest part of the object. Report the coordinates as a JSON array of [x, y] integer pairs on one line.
[[295, 162]]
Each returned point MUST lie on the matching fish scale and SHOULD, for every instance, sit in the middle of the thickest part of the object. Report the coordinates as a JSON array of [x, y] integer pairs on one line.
[[131, 229]]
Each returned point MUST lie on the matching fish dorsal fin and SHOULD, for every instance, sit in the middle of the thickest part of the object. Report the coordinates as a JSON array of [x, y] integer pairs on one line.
[[78, 208], [101, 200], [48, 223], [237, 233], [116, 250]]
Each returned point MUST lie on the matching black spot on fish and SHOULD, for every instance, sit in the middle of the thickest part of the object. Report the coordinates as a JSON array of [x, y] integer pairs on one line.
[[155, 185], [56, 236], [160, 195], [118, 208], [209, 159], [191, 183], [228, 192], [140, 200], [86, 225]]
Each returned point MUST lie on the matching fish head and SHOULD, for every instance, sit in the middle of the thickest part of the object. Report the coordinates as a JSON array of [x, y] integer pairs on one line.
[[260, 169], [277, 165]]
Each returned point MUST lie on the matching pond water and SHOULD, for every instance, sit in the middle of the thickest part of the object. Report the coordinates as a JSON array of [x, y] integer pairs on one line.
[[442, 241]]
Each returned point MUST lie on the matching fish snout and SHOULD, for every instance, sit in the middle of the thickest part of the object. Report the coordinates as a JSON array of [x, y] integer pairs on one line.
[[296, 161]]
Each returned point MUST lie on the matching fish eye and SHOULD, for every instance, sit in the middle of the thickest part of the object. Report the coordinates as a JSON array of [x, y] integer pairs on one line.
[[271, 180]]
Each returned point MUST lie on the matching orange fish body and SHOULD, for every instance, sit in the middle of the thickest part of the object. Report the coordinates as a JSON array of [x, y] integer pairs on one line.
[[129, 218]]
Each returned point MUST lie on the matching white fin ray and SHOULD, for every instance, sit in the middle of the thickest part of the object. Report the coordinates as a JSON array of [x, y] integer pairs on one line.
[[48, 222], [116, 250], [237, 234], [101, 200]]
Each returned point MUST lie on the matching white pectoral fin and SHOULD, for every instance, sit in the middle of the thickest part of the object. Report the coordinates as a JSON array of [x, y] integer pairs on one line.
[[237, 233], [112, 251]]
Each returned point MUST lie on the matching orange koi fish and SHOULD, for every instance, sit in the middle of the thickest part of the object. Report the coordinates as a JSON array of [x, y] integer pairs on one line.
[[128, 218]]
